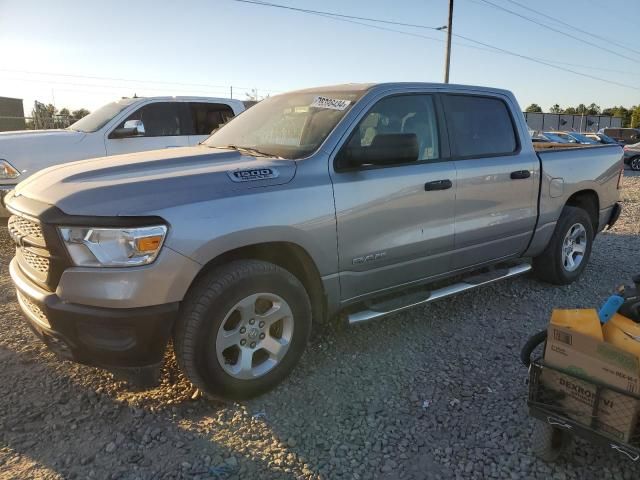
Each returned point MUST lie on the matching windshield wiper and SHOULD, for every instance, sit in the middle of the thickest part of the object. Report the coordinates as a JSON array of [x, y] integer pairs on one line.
[[251, 151]]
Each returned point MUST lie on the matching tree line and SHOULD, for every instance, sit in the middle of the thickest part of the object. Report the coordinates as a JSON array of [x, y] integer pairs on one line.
[[631, 116], [48, 116]]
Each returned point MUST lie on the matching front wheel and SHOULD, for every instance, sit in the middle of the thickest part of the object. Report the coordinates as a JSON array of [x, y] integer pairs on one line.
[[634, 164], [569, 249], [242, 329]]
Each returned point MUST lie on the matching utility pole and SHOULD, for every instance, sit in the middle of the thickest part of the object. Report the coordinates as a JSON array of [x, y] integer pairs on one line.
[[448, 50]]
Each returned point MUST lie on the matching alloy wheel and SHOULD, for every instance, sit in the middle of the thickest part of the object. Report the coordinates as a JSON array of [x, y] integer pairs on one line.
[[254, 336], [574, 247]]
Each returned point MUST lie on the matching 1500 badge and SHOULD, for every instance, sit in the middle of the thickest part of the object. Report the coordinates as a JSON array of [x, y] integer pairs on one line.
[[253, 174]]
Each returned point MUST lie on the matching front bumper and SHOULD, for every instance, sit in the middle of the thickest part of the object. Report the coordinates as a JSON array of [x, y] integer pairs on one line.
[[104, 337]]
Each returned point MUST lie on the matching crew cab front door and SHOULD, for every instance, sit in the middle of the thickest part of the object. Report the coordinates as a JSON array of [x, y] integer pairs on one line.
[[166, 125], [395, 219], [497, 180]]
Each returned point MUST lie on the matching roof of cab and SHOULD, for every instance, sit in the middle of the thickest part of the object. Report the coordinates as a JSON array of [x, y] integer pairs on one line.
[[168, 98], [361, 87]]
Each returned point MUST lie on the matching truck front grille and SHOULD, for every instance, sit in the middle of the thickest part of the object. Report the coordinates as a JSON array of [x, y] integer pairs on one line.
[[32, 253], [23, 227], [38, 263]]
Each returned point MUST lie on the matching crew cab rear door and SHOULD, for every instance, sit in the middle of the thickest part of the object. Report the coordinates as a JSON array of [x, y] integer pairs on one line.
[[395, 220], [497, 179], [207, 117]]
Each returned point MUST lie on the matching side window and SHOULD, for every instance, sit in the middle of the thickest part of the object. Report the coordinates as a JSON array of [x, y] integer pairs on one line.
[[206, 117], [404, 114], [161, 119], [479, 126]]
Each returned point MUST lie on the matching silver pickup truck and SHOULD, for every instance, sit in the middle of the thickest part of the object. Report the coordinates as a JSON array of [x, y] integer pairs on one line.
[[359, 199]]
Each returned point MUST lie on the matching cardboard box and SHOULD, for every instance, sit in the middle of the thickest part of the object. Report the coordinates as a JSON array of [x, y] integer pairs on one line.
[[607, 411]]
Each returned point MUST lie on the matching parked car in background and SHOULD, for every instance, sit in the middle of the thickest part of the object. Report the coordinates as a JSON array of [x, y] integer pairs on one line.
[[353, 198], [623, 135], [124, 126], [571, 137], [601, 138], [552, 137], [632, 156]]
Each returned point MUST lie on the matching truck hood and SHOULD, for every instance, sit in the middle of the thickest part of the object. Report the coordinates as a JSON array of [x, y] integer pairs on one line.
[[145, 183], [26, 149], [47, 135]]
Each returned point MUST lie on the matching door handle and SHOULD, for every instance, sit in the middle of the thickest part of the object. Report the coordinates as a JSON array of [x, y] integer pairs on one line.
[[520, 174], [438, 185]]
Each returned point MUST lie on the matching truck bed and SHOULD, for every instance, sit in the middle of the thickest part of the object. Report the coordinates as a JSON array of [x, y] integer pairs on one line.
[[594, 171]]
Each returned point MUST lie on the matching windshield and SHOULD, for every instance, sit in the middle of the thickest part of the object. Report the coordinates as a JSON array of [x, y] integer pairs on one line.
[[99, 118], [582, 138], [289, 126], [552, 137], [606, 139]]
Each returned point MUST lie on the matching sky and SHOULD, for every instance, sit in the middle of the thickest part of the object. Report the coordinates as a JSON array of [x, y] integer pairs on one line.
[[86, 53]]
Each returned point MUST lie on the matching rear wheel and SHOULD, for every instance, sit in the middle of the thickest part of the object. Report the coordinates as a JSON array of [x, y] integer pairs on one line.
[[634, 164], [569, 249], [242, 329]]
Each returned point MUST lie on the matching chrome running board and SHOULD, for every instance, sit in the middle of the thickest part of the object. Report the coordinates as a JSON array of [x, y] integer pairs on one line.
[[399, 304]]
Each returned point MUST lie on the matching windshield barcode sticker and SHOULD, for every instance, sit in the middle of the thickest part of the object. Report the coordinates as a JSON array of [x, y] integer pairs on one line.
[[331, 103]]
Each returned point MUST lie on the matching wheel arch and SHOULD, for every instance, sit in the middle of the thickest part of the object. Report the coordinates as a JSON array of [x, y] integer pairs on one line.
[[588, 201], [288, 255]]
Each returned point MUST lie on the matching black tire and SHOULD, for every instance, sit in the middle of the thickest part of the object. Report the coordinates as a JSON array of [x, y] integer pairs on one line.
[[634, 164], [203, 313], [549, 443], [549, 266]]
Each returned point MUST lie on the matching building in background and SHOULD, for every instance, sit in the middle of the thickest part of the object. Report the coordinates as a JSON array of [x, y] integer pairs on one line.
[[541, 122], [11, 114]]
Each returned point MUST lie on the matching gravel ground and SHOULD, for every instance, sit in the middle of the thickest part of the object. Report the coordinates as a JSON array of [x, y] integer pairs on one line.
[[437, 392]]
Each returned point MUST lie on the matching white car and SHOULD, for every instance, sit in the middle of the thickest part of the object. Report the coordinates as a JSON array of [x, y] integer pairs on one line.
[[125, 126]]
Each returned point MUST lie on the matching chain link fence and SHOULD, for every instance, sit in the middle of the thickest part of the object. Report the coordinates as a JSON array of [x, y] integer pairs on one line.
[[9, 123]]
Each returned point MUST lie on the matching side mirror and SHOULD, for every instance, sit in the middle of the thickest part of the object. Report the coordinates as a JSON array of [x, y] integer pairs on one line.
[[385, 149], [131, 128]]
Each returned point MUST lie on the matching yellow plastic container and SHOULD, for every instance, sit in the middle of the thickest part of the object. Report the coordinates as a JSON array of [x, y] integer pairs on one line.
[[624, 333], [584, 321]]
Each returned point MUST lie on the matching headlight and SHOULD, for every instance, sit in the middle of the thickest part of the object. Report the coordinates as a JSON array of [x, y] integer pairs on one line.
[[7, 172], [113, 247]]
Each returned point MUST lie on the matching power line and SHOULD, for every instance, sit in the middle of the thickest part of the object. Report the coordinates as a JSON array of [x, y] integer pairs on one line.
[[338, 17], [548, 27], [157, 82], [542, 62], [489, 47], [412, 25], [121, 87], [353, 17], [595, 35], [589, 67], [332, 16]]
